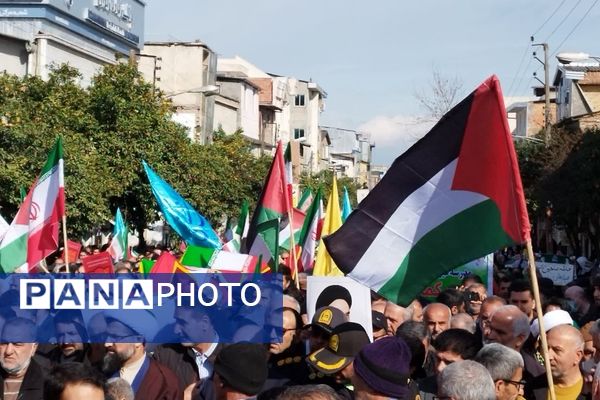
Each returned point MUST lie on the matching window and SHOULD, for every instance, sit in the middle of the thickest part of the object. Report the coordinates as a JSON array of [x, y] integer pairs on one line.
[[298, 133], [299, 101]]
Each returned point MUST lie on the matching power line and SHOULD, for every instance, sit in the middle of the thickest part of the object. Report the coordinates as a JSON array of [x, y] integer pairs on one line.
[[563, 20], [522, 75], [549, 18], [575, 27], [519, 68]]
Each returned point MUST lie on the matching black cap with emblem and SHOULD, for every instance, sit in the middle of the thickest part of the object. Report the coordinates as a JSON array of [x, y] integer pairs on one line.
[[344, 344]]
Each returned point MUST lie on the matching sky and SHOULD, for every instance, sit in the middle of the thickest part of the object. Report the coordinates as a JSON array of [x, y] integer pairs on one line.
[[372, 57]]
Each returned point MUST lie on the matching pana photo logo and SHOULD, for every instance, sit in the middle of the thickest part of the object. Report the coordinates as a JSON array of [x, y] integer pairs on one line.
[[130, 294]]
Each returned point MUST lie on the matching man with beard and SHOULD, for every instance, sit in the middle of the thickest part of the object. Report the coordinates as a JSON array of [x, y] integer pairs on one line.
[[72, 341], [126, 356], [21, 377], [192, 359]]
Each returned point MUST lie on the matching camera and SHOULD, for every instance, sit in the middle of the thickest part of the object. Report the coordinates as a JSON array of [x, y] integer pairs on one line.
[[472, 296]]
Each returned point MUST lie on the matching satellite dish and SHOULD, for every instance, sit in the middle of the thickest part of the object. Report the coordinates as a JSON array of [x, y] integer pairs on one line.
[[568, 58]]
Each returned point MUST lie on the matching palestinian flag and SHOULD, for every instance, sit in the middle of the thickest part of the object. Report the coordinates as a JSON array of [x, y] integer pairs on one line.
[[310, 234], [3, 227], [274, 203], [241, 231], [454, 196], [286, 232], [33, 234], [118, 244]]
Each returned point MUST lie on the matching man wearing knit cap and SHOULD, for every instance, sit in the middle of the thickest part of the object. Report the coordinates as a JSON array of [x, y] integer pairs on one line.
[[382, 370], [126, 356], [337, 358], [240, 371]]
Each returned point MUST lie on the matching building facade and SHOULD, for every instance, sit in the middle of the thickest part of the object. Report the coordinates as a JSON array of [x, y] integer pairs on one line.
[[86, 34], [186, 72], [351, 154], [578, 93]]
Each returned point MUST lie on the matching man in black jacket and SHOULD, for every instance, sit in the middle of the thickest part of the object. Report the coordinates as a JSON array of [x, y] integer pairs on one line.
[[21, 377]]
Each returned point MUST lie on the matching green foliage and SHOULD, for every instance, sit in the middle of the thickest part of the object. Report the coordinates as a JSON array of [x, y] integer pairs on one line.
[[324, 180], [564, 177], [108, 129]]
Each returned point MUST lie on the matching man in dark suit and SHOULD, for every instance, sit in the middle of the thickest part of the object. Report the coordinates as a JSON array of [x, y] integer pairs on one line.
[[21, 376]]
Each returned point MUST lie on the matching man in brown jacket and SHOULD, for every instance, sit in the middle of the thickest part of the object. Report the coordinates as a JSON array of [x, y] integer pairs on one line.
[[126, 358]]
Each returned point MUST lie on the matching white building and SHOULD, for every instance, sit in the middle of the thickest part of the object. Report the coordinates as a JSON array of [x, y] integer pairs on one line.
[[86, 34], [289, 110], [186, 73]]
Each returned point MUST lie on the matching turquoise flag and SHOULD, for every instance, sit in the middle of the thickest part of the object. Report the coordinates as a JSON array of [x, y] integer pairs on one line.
[[187, 222], [346, 207]]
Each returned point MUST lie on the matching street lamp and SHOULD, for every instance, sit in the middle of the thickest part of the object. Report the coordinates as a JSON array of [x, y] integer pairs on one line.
[[205, 92], [208, 90]]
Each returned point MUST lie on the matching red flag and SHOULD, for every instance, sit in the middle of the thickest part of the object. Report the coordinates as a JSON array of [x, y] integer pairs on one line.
[[100, 263], [74, 249], [165, 264]]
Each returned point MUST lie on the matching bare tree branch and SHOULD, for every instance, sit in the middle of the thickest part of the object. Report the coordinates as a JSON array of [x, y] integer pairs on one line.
[[441, 95]]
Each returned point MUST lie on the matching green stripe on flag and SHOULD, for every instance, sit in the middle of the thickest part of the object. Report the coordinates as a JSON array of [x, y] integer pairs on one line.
[[55, 155], [457, 241]]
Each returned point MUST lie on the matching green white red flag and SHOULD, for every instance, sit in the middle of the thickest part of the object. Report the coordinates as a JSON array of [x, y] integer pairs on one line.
[[274, 203], [33, 233], [310, 234], [452, 197], [118, 244]]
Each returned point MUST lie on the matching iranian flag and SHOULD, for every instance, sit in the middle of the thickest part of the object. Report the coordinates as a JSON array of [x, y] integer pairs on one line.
[[274, 203], [118, 244], [33, 234], [454, 196], [310, 234], [241, 230]]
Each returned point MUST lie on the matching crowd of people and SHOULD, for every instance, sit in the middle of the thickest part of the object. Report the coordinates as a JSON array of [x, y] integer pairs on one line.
[[467, 344]]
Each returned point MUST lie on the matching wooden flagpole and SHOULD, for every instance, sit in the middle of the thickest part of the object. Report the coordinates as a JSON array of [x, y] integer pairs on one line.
[[66, 245], [538, 308], [293, 248]]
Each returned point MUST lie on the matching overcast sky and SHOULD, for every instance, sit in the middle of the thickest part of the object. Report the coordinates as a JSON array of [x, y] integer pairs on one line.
[[371, 57]]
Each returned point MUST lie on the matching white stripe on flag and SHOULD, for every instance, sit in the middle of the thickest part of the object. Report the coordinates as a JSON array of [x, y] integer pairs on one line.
[[423, 210]]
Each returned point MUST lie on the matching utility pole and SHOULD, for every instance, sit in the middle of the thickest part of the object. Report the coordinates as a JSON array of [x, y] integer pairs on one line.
[[546, 64]]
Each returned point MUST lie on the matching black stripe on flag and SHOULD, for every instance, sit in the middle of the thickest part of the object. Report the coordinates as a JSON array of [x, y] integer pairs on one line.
[[409, 172]]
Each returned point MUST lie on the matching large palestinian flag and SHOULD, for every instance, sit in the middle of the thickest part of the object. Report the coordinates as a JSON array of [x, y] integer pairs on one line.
[[452, 197]]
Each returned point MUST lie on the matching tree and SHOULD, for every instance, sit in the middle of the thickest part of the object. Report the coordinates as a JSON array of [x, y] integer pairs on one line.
[[108, 129], [324, 179], [442, 94]]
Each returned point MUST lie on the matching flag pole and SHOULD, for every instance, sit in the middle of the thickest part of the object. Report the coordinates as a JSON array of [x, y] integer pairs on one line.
[[293, 248], [538, 308], [66, 245]]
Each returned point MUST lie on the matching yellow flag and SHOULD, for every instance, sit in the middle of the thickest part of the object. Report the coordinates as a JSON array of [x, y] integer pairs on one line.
[[324, 265]]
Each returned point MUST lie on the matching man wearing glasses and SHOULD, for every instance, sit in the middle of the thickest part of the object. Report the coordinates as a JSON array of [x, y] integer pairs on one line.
[[505, 365], [126, 356]]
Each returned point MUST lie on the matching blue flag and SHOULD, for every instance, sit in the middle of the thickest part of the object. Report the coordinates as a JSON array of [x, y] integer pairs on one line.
[[187, 222], [346, 207]]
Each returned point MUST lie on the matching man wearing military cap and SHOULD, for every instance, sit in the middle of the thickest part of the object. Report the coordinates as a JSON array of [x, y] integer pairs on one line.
[[336, 359], [325, 320]]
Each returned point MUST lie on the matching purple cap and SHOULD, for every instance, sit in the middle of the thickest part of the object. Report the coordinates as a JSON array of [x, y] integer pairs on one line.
[[384, 366]]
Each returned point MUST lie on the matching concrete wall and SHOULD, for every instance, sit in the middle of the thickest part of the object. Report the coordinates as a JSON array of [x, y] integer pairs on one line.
[[14, 56], [226, 116]]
